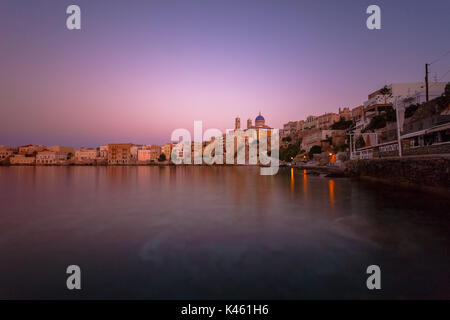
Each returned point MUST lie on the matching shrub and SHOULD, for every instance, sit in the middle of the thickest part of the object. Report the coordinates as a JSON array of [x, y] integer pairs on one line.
[[376, 122], [162, 157], [286, 153], [409, 111], [342, 124], [314, 149]]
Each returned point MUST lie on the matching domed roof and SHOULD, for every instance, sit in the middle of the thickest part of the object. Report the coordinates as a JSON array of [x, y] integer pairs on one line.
[[259, 117]]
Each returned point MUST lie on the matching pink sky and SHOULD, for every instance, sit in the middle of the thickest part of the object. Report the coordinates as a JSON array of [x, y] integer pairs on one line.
[[138, 70]]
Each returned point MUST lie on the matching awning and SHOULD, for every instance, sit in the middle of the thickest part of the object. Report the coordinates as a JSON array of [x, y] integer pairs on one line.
[[441, 127], [413, 134]]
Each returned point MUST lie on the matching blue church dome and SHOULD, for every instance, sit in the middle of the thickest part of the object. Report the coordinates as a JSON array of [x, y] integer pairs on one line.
[[259, 118]]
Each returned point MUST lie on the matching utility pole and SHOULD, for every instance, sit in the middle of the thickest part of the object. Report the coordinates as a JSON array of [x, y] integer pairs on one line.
[[399, 131], [426, 79]]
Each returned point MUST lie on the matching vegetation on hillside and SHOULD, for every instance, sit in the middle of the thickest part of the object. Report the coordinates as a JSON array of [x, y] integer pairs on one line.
[[430, 108], [386, 93], [380, 121], [342, 124], [290, 151], [409, 111]]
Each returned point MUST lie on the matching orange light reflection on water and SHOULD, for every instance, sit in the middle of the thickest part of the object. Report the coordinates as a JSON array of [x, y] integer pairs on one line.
[[331, 192], [292, 181]]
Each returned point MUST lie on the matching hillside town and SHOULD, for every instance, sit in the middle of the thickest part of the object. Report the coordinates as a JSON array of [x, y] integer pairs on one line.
[[400, 119]]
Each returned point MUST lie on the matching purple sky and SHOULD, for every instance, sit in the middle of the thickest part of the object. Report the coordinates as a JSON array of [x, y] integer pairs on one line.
[[139, 69]]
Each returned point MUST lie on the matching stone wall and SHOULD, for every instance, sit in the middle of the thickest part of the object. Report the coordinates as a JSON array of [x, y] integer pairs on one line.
[[432, 149], [422, 172]]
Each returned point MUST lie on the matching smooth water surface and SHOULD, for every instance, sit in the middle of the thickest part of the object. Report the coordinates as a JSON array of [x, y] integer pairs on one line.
[[216, 232]]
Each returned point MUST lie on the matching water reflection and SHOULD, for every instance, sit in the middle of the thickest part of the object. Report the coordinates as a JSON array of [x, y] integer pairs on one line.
[[216, 232], [331, 192], [305, 184], [292, 185]]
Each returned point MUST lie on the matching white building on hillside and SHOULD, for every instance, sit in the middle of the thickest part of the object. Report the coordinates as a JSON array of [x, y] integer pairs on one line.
[[377, 102]]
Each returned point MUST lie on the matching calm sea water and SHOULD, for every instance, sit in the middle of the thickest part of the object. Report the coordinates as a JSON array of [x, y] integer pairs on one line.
[[216, 232]]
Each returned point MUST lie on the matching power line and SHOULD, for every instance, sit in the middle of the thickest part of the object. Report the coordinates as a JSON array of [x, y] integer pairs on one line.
[[441, 57], [444, 75], [433, 84]]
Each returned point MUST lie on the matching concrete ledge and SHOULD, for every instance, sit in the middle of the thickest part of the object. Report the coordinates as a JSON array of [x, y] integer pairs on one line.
[[428, 173]]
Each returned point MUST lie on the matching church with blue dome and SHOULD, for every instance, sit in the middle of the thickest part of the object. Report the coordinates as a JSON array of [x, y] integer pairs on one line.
[[260, 123], [261, 129]]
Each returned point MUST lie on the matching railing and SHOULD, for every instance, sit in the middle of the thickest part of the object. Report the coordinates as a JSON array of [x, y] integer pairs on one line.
[[361, 155]]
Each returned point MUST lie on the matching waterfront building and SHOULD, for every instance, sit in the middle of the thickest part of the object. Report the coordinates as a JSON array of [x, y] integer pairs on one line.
[[62, 149], [134, 152], [155, 152], [102, 155], [260, 123], [144, 154], [103, 152], [31, 149], [119, 153], [6, 152], [22, 159], [242, 135], [86, 155], [51, 157], [149, 153], [167, 150]]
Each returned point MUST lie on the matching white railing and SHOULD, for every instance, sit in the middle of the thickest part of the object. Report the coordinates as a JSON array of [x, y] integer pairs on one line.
[[361, 155]]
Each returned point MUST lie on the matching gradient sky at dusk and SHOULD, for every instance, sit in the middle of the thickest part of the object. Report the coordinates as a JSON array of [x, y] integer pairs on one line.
[[139, 69]]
